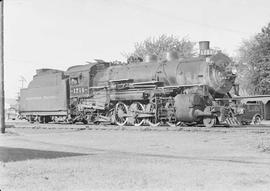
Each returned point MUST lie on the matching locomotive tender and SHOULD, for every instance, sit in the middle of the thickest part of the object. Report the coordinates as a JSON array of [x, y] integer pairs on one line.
[[152, 92]]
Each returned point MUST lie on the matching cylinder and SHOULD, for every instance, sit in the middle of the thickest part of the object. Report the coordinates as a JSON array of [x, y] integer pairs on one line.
[[204, 45], [186, 107]]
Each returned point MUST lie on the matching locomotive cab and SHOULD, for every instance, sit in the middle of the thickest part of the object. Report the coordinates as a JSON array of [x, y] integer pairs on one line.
[[84, 89]]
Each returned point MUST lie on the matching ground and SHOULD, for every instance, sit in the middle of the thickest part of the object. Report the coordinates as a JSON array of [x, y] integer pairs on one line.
[[137, 159]]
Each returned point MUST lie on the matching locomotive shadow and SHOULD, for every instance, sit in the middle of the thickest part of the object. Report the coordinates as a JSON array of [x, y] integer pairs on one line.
[[8, 154]]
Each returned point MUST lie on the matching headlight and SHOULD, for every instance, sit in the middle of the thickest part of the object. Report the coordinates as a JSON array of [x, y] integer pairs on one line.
[[234, 70]]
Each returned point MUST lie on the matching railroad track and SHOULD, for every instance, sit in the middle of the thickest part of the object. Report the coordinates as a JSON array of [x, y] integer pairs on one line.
[[255, 129]]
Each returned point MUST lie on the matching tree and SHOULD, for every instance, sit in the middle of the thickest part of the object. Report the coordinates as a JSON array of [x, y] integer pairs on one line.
[[162, 44], [254, 59]]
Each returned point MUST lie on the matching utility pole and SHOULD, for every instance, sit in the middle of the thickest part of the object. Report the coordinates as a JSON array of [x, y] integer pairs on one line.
[[2, 92]]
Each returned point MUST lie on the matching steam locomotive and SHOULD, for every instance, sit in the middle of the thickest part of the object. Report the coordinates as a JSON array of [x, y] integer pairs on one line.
[[153, 92]]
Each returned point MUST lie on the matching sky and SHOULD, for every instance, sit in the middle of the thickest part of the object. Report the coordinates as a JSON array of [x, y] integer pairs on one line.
[[62, 33]]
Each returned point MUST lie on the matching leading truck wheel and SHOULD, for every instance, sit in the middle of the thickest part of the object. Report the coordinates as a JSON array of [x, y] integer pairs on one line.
[[209, 121], [120, 115]]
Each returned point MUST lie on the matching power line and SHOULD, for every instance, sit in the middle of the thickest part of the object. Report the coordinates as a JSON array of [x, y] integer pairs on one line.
[[183, 20]]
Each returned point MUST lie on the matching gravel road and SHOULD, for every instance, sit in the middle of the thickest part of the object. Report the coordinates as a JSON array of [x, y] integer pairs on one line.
[[135, 160]]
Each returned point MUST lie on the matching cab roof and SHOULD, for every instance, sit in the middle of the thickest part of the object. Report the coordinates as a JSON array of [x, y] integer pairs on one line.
[[85, 67], [80, 68]]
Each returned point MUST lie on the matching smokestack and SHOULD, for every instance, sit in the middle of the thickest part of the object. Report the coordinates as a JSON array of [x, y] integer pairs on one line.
[[205, 48], [204, 45]]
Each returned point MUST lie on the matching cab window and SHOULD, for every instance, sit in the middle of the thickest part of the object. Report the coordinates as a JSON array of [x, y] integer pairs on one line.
[[74, 81]]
